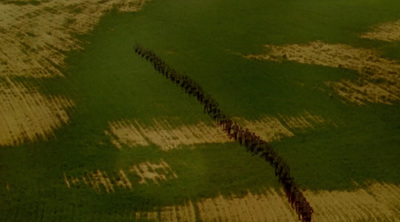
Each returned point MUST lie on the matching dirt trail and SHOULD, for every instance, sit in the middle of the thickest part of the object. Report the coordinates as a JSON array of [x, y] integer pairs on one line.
[[167, 137], [389, 32], [377, 202], [125, 179], [36, 38], [378, 81], [25, 114]]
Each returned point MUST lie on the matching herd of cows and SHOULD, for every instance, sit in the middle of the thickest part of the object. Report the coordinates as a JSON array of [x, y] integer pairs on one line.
[[250, 140]]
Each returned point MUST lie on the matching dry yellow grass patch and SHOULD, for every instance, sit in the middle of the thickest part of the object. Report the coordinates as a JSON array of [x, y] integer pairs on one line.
[[125, 133], [389, 32], [302, 122], [378, 202], [167, 137], [184, 212], [146, 171], [25, 114], [268, 128], [122, 180], [67, 181], [97, 180], [154, 172], [163, 134], [34, 39], [268, 206], [147, 216], [272, 128], [378, 81]]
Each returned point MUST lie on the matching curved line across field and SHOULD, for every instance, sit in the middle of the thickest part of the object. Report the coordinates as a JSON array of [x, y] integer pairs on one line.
[[245, 137]]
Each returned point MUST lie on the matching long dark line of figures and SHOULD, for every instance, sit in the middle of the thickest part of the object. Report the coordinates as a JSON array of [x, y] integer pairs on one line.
[[250, 140]]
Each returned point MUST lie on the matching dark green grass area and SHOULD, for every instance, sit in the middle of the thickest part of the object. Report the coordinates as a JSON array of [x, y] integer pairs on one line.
[[337, 158], [203, 171], [205, 40]]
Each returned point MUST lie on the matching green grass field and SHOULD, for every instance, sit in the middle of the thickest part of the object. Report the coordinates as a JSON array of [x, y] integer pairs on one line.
[[205, 40]]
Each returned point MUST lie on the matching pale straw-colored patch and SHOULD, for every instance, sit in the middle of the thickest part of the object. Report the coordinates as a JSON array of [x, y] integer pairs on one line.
[[167, 137], [147, 216], [153, 172], [122, 180], [125, 179], [34, 39], [378, 81], [377, 202], [184, 212], [304, 121], [267, 206], [97, 180], [389, 32], [365, 91], [163, 134], [26, 114], [125, 133], [268, 128], [66, 181], [271, 128]]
